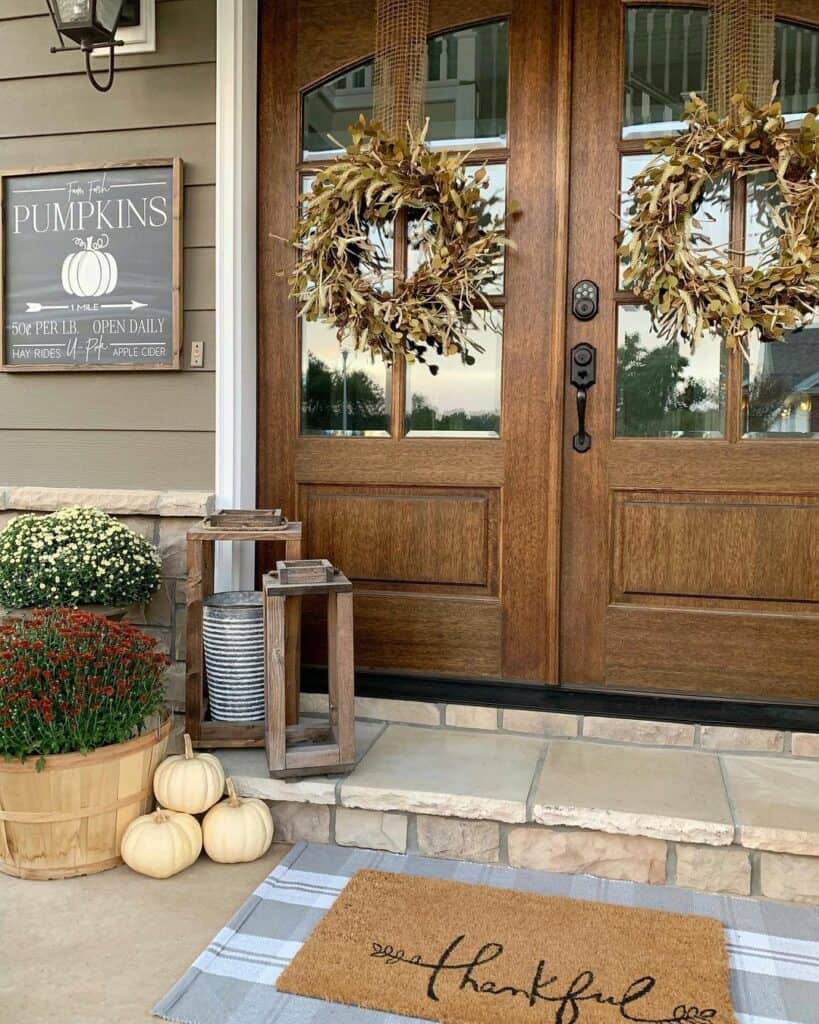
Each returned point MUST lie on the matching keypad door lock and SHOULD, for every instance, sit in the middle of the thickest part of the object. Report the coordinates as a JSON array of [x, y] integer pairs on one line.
[[582, 375], [585, 300]]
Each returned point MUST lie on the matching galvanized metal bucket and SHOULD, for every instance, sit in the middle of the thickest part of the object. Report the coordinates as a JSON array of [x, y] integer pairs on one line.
[[233, 636]]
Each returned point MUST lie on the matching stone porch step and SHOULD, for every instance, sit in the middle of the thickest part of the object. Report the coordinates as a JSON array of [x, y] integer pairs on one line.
[[726, 823]]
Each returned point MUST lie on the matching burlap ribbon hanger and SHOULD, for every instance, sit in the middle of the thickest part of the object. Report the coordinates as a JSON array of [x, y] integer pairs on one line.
[[400, 64], [740, 52]]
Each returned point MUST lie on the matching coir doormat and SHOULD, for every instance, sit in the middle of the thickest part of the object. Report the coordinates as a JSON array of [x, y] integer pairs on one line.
[[467, 954]]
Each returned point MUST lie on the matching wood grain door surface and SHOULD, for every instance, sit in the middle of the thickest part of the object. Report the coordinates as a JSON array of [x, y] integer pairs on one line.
[[691, 559], [452, 542], [680, 555]]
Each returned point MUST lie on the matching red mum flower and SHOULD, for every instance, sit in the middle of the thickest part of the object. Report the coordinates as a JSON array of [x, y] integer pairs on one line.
[[58, 666]]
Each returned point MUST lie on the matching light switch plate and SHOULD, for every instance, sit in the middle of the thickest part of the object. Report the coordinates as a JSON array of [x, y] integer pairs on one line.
[[197, 354]]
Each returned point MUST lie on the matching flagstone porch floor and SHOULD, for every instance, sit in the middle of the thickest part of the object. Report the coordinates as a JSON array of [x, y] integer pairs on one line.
[[641, 801]]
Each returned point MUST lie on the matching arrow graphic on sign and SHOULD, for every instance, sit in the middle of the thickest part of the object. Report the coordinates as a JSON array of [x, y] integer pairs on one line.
[[36, 307], [132, 305]]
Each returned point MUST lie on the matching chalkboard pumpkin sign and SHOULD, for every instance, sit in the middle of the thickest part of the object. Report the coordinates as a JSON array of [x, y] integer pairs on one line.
[[92, 267]]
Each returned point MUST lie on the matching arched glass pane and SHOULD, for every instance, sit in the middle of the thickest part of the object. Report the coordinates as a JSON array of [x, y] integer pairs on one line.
[[666, 50], [466, 88], [666, 53]]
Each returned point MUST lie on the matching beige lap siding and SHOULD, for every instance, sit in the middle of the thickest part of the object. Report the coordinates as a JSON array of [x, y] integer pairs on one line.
[[117, 429]]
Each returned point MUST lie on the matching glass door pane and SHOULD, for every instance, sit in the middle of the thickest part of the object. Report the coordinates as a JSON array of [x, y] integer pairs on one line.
[[466, 92], [665, 59], [797, 67], [780, 387], [664, 389], [460, 400], [343, 392]]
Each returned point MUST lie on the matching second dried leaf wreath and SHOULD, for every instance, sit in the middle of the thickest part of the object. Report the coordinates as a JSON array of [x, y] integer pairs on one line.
[[343, 276], [694, 288]]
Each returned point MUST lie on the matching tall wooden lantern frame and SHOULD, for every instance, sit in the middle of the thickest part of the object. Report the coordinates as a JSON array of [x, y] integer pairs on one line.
[[233, 525]]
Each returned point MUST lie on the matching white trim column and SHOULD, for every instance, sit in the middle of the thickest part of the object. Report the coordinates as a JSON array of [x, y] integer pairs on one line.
[[236, 129]]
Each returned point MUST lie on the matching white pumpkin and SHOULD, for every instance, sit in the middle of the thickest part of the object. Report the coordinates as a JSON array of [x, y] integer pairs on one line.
[[90, 272], [161, 844], [189, 782], [236, 831]]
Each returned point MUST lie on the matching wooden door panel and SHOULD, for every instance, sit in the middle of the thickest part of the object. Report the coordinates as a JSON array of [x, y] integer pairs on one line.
[[432, 462], [736, 654], [754, 547], [689, 564], [790, 467], [452, 542], [400, 631], [433, 633], [400, 535]]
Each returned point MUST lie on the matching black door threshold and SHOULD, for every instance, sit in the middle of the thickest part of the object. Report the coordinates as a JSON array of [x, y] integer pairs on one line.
[[577, 700]]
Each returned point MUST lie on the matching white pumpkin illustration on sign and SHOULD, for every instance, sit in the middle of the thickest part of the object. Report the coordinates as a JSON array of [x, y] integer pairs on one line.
[[91, 272]]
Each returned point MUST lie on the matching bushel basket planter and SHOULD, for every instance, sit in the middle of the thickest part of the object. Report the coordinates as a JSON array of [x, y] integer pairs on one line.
[[69, 818]]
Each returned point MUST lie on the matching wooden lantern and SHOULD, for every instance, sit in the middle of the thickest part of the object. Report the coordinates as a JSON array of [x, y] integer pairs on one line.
[[258, 525], [308, 749]]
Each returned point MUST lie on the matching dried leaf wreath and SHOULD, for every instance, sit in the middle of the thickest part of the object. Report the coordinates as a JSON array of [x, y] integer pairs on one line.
[[343, 276], [694, 291]]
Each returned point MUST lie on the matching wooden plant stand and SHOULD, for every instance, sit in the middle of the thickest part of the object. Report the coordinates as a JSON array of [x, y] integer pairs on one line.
[[300, 749], [234, 524]]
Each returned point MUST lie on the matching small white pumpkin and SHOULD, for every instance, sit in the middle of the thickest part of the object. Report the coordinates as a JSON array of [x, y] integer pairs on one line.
[[162, 844], [236, 831], [189, 782]]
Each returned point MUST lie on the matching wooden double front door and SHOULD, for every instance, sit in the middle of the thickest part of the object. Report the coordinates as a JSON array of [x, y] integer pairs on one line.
[[680, 552]]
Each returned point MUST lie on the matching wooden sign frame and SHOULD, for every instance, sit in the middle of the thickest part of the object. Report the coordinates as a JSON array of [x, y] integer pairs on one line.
[[177, 306]]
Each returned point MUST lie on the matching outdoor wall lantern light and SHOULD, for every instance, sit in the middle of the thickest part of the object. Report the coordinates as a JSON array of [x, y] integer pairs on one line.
[[91, 24]]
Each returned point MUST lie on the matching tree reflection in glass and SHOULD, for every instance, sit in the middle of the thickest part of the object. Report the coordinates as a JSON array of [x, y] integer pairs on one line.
[[343, 391], [460, 400], [664, 390]]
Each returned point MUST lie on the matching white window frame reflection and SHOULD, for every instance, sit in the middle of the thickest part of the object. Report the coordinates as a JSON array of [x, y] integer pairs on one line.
[[458, 91], [667, 127]]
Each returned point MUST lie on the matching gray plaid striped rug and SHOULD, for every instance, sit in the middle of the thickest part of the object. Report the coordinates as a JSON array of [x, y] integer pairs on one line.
[[773, 947]]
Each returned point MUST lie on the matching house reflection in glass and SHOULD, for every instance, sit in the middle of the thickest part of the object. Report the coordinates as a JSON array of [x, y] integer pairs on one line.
[[780, 387]]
